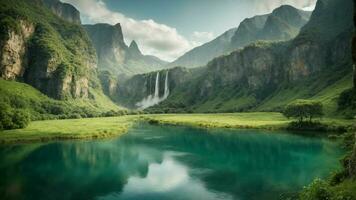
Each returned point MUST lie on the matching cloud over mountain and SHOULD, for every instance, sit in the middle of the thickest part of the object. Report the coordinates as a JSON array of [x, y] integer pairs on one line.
[[154, 38]]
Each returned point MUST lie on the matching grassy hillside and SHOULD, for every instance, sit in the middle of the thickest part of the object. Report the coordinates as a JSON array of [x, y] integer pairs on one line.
[[39, 106]]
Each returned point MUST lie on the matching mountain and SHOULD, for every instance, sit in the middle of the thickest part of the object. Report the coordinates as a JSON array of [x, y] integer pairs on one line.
[[64, 10], [44, 49], [267, 75], [283, 23], [115, 56], [199, 56]]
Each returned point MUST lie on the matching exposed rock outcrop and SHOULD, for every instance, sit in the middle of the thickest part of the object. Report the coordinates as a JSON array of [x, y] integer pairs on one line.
[[64, 10], [12, 51]]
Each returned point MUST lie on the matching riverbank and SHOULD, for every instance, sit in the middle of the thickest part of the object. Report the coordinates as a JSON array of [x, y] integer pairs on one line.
[[255, 120], [96, 128]]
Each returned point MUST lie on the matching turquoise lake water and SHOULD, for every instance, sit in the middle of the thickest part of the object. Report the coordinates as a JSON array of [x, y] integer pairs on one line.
[[167, 162]]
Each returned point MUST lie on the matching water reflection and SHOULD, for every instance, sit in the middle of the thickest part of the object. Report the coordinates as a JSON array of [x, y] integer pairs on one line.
[[153, 162]]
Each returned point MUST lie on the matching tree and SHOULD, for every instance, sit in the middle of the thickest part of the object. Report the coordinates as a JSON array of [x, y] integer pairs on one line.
[[304, 109]]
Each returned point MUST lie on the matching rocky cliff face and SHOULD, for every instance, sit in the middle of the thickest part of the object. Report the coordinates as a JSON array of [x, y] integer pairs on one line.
[[64, 10], [54, 56], [253, 76], [264, 66], [135, 89], [283, 23], [115, 56], [13, 49]]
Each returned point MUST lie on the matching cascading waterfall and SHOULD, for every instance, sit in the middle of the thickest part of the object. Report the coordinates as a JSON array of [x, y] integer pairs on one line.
[[154, 99], [166, 88], [157, 86]]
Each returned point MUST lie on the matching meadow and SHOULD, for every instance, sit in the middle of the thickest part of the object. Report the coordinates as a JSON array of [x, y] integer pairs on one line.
[[96, 128]]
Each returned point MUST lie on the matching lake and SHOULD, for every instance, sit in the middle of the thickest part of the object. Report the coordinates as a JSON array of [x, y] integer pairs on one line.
[[168, 162]]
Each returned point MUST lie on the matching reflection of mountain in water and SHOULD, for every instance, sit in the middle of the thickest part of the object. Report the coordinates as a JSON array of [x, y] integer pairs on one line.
[[79, 170], [163, 162]]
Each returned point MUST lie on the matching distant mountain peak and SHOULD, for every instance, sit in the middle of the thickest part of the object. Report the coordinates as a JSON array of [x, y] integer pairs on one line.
[[64, 10], [133, 48]]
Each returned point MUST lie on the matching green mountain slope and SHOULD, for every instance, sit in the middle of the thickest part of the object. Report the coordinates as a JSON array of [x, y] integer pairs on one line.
[[45, 49], [266, 76], [39, 106]]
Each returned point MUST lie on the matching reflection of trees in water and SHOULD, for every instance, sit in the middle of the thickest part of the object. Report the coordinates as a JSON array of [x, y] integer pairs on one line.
[[239, 163], [79, 170]]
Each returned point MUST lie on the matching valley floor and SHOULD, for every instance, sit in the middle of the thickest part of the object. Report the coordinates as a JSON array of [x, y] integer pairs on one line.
[[95, 128]]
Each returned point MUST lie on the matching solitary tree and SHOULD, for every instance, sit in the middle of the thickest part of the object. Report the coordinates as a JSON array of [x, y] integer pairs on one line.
[[304, 110]]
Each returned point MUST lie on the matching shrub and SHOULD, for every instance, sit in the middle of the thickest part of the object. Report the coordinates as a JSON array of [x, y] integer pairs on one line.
[[12, 118], [304, 109], [20, 119], [5, 116], [318, 190]]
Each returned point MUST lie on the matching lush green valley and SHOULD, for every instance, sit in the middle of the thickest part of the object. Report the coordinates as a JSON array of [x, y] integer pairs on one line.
[[287, 74]]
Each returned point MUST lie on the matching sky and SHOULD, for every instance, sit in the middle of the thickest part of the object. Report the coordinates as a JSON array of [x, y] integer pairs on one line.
[[169, 28]]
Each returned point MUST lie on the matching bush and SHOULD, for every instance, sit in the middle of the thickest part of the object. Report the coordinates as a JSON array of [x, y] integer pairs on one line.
[[20, 119], [12, 118], [5, 116], [318, 190], [304, 109]]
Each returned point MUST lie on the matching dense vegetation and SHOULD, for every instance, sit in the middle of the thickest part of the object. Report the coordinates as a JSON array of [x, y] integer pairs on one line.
[[21, 103]]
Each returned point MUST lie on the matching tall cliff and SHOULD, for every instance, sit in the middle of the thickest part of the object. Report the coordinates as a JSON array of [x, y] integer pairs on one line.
[[45, 51], [283, 23], [268, 75], [115, 56]]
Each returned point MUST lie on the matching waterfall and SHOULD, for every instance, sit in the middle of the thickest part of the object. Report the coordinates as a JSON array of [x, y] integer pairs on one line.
[[166, 88], [154, 99], [157, 86]]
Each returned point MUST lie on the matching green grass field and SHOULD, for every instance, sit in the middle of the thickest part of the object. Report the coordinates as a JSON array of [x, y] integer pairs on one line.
[[253, 120], [94, 128]]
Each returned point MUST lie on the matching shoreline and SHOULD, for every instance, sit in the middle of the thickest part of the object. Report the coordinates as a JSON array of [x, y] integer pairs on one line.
[[101, 128]]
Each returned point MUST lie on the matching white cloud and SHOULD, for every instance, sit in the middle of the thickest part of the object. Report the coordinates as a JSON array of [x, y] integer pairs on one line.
[[153, 38], [199, 38]]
